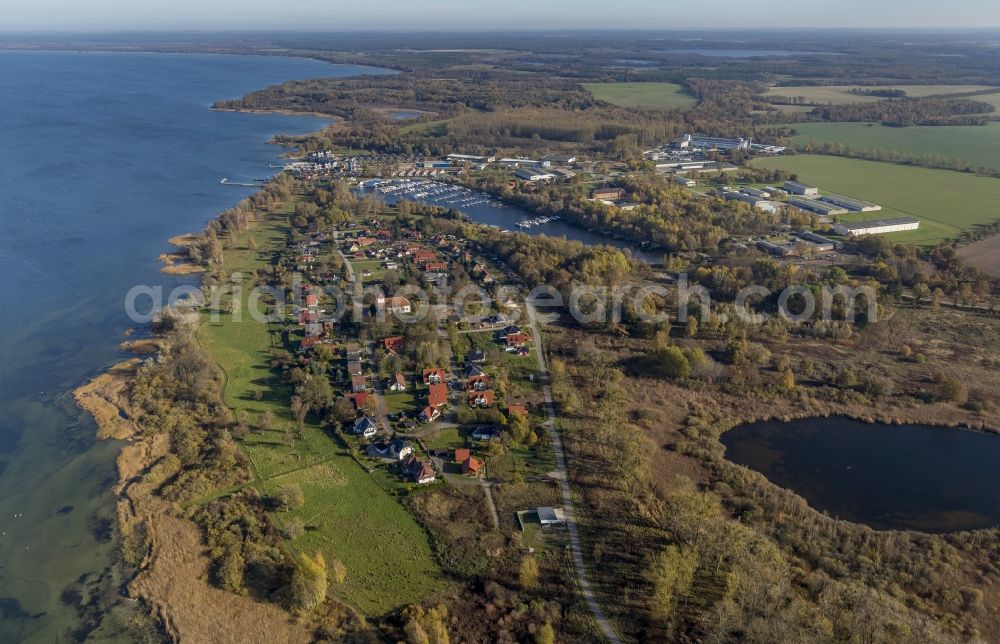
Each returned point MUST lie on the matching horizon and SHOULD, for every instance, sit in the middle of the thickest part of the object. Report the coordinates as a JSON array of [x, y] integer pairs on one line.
[[109, 16]]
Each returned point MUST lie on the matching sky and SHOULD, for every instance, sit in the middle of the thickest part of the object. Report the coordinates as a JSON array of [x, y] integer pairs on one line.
[[440, 15]]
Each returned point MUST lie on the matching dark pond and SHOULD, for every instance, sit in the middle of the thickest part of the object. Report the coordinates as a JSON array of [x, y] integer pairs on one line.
[[906, 477]]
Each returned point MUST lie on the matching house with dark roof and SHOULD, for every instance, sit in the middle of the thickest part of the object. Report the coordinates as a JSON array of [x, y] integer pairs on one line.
[[395, 450], [364, 426], [419, 471], [487, 433]]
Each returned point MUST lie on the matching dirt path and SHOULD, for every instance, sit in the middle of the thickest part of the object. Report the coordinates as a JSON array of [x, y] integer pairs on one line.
[[562, 476]]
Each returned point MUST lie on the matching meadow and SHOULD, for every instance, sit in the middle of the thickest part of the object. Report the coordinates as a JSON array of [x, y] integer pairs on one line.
[[841, 94], [978, 146], [946, 202], [347, 514], [641, 94]]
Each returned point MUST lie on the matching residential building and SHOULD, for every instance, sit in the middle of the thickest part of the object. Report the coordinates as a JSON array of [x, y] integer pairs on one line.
[[434, 376], [437, 395], [419, 471], [481, 398], [477, 383], [397, 383], [487, 433], [365, 426], [429, 414], [358, 383]]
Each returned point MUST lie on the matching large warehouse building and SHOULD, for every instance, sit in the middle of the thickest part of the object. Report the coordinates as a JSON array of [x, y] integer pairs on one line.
[[799, 188], [877, 227]]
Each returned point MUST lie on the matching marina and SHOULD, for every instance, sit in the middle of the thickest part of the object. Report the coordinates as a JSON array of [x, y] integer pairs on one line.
[[487, 210]]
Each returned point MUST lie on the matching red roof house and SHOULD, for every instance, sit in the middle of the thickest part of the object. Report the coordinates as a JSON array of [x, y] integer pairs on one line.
[[437, 395]]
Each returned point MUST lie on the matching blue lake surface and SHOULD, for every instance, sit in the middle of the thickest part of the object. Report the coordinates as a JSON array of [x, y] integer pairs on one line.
[[747, 53], [103, 157], [905, 477]]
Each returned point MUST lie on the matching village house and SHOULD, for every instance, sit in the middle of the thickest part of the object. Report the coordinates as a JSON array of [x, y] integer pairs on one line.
[[477, 383], [434, 376], [394, 305], [393, 344], [396, 450], [365, 426], [470, 464], [481, 398], [352, 351], [474, 371], [516, 340], [360, 399], [354, 368], [437, 395], [397, 383], [429, 414], [419, 471], [422, 255], [517, 410], [358, 383], [486, 433]]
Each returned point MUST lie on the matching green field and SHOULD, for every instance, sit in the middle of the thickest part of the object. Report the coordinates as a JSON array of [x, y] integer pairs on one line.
[[841, 94], [978, 146], [946, 202], [641, 94], [348, 515]]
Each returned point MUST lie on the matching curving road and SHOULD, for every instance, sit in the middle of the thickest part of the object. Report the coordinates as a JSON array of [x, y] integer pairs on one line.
[[603, 624]]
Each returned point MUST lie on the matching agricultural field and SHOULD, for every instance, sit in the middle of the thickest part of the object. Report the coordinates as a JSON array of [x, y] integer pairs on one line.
[[641, 94], [841, 94], [983, 255], [979, 146], [946, 202], [347, 514]]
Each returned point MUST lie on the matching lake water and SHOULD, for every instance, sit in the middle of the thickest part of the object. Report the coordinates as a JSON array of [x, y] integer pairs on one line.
[[903, 477], [103, 157], [747, 53]]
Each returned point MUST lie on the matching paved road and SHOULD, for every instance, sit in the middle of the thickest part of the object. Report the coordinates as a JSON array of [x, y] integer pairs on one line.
[[562, 477]]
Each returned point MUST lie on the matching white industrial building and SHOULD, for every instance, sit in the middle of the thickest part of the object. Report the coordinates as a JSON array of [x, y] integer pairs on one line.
[[470, 158], [530, 175], [700, 142], [877, 227]]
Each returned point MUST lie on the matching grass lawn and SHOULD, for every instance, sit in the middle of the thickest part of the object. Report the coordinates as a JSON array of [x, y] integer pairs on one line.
[[349, 516], [978, 146], [402, 401], [641, 94], [841, 94], [946, 202], [448, 437]]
